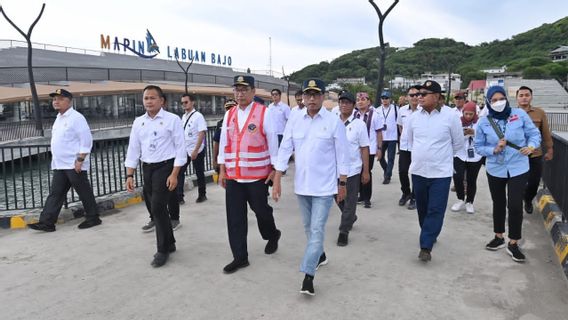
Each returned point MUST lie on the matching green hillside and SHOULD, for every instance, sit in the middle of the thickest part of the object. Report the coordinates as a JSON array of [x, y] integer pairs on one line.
[[526, 52]]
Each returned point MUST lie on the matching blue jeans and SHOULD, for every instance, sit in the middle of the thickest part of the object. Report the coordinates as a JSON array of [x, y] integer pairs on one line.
[[431, 201], [390, 148], [315, 211]]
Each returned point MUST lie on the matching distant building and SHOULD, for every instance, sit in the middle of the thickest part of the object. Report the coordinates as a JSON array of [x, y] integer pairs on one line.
[[559, 54], [476, 91], [351, 81], [502, 69], [400, 82]]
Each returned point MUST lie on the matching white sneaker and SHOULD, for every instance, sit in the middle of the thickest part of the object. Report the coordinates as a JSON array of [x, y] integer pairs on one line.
[[458, 206], [469, 208]]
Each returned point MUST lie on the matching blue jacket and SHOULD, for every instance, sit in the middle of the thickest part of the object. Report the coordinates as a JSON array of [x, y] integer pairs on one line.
[[518, 129]]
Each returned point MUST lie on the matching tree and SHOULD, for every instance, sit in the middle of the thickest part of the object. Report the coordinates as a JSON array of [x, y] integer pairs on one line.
[[535, 73], [28, 37], [382, 46]]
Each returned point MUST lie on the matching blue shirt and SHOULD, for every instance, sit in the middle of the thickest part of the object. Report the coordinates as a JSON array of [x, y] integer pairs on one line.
[[518, 129]]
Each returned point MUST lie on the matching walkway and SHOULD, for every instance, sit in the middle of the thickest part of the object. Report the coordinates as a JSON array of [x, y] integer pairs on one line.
[[105, 272]]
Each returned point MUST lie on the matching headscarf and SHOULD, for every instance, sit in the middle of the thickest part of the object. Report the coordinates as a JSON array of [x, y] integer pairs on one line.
[[503, 115], [471, 107]]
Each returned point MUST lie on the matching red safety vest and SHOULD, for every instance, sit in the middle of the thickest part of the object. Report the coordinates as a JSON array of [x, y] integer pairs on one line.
[[246, 152]]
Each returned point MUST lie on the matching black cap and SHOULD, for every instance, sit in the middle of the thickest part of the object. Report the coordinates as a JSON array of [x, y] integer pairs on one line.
[[313, 84], [230, 103], [61, 92], [432, 86], [244, 81], [258, 99], [347, 96]]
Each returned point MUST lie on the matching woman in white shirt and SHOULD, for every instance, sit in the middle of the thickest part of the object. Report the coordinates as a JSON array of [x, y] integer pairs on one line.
[[467, 162]]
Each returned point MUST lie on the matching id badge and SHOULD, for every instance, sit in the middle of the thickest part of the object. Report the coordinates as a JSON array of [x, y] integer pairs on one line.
[[470, 153], [385, 127]]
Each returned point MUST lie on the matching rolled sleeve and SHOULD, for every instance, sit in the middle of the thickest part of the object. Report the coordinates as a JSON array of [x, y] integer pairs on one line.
[[85, 137], [133, 152], [341, 145], [179, 143], [286, 146]]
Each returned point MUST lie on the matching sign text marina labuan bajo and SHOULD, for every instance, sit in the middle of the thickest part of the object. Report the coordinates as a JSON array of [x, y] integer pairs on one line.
[[149, 49]]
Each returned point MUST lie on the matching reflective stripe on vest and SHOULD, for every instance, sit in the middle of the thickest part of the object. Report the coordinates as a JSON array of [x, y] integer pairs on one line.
[[246, 152]]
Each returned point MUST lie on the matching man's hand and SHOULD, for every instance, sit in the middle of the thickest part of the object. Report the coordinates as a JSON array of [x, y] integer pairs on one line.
[[276, 186], [222, 180], [172, 182], [379, 155], [78, 166], [548, 155], [194, 155], [526, 150], [365, 177], [341, 192], [129, 184], [270, 177]]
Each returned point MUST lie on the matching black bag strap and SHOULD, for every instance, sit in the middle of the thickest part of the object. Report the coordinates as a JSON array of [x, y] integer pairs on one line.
[[500, 134], [186, 121]]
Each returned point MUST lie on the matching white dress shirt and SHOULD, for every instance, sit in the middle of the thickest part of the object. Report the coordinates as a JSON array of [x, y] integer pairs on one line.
[[375, 125], [280, 113], [192, 128], [388, 116], [70, 136], [357, 138], [267, 127], [404, 114], [319, 146], [468, 142], [295, 111], [434, 139], [157, 139]]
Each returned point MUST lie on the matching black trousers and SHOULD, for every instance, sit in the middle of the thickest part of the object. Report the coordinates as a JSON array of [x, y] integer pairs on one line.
[[237, 196], [199, 167], [404, 159], [470, 170], [511, 199], [366, 190], [61, 182], [535, 173], [157, 193], [173, 205]]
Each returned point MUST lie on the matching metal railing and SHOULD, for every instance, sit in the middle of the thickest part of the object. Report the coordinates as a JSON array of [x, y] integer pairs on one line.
[[26, 175], [555, 176], [558, 121]]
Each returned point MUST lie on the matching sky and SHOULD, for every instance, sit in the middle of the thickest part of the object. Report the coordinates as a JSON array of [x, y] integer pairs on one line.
[[301, 32]]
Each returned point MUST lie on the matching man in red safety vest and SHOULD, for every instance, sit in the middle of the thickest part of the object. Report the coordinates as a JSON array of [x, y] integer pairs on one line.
[[247, 151]]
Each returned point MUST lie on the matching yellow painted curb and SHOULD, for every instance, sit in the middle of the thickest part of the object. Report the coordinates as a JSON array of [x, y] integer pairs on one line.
[[561, 248], [544, 200], [17, 222], [128, 202]]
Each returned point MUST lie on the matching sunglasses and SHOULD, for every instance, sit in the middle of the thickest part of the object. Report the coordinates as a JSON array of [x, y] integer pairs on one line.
[[423, 94], [412, 95]]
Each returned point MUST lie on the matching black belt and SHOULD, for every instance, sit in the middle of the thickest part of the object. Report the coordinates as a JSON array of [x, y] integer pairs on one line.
[[157, 164]]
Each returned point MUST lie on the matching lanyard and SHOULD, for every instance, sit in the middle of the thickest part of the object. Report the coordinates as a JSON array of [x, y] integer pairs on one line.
[[387, 113]]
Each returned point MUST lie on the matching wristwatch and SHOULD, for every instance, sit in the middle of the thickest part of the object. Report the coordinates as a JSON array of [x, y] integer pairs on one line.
[[79, 159], [129, 176], [342, 183]]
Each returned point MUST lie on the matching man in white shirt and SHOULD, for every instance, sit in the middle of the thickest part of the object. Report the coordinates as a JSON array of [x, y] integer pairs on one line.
[[317, 138], [460, 100], [358, 155], [299, 102], [388, 113], [434, 135], [374, 125], [71, 144], [156, 139], [280, 113], [247, 152], [404, 157], [195, 128]]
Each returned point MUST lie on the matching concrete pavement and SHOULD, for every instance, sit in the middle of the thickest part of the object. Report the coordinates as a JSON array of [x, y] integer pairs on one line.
[[105, 272]]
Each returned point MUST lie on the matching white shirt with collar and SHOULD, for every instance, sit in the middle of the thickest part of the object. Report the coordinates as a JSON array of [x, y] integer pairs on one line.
[[388, 116], [70, 136], [157, 139], [375, 125], [280, 113], [468, 142], [193, 123], [357, 138], [319, 146], [268, 130], [434, 139], [403, 116]]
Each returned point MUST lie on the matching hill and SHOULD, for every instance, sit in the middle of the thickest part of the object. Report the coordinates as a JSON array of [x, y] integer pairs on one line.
[[526, 52]]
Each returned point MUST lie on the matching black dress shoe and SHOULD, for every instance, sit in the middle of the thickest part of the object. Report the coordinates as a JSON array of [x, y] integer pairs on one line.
[[367, 204], [403, 200], [236, 265], [172, 248], [343, 239], [40, 226], [412, 204], [90, 223], [387, 181], [201, 198], [529, 207], [272, 244], [160, 259]]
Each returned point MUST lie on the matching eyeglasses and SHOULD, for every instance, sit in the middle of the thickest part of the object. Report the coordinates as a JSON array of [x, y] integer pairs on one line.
[[412, 95], [313, 94], [424, 93], [185, 102], [241, 90], [274, 94]]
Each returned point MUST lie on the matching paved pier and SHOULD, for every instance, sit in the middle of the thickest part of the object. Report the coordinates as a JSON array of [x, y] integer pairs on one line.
[[105, 272]]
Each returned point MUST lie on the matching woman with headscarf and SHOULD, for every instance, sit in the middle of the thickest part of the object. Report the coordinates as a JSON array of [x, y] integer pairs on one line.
[[467, 161], [506, 137]]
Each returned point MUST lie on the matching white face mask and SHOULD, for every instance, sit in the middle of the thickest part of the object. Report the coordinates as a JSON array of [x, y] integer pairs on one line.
[[499, 106]]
